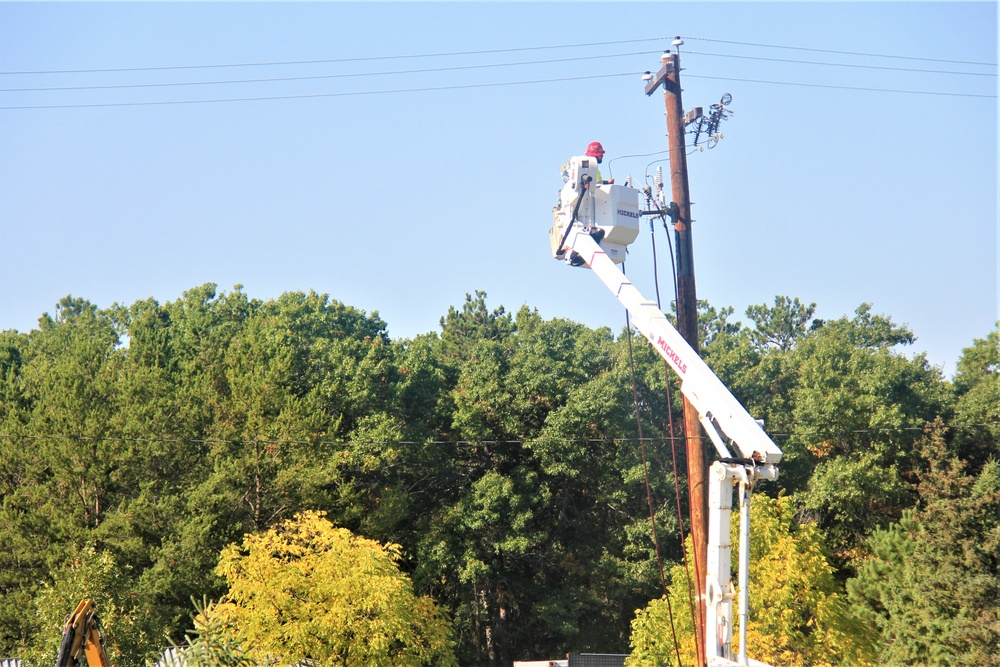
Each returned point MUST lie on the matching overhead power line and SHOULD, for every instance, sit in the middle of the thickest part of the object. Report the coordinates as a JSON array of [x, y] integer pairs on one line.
[[327, 76], [837, 87], [342, 60], [470, 86], [829, 64], [474, 443], [453, 68], [318, 95], [845, 53], [446, 54], [258, 98]]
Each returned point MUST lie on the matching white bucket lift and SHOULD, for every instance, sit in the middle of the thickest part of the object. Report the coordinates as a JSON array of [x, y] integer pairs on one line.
[[609, 212], [593, 225]]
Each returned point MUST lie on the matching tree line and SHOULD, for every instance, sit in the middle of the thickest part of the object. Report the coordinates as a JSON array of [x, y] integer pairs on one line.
[[502, 455]]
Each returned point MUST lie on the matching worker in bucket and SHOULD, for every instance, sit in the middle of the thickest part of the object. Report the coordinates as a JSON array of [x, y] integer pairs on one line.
[[596, 150]]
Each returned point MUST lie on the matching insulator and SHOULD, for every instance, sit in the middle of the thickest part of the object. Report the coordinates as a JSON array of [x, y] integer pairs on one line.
[[658, 180]]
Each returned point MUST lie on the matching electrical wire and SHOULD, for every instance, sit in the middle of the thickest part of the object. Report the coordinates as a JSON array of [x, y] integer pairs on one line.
[[649, 492], [836, 87], [474, 443], [622, 157], [341, 60], [845, 53], [695, 610], [321, 76], [828, 64], [281, 441], [461, 67], [320, 95]]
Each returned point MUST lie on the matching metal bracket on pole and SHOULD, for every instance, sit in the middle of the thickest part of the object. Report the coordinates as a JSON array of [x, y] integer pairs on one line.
[[673, 212], [654, 80]]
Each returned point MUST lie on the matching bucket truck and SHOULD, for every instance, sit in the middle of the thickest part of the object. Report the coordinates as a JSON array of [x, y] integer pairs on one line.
[[594, 222]]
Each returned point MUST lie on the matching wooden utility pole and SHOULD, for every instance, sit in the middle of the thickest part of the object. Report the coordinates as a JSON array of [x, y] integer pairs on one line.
[[687, 324]]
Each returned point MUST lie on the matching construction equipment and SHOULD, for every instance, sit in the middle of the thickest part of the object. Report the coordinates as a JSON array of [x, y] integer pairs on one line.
[[82, 638], [593, 225]]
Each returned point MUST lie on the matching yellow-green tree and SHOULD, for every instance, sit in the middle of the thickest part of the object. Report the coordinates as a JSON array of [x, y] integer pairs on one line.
[[798, 612], [306, 590], [128, 618]]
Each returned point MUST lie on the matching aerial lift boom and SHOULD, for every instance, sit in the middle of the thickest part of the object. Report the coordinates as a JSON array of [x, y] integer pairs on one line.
[[593, 224]]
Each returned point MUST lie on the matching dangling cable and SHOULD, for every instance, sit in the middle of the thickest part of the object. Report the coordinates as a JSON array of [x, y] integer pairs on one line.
[[649, 493], [680, 512], [670, 407]]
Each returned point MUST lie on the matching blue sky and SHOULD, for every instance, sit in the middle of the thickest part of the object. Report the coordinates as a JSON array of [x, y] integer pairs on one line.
[[399, 191]]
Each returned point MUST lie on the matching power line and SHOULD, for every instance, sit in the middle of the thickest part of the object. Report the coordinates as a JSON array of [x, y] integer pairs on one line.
[[278, 441], [468, 67], [464, 67], [318, 95], [829, 64], [478, 85], [846, 53], [481, 52], [340, 60], [325, 76], [477, 443], [837, 87]]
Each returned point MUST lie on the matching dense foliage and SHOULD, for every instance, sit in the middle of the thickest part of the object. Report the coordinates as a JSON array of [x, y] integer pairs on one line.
[[306, 592], [137, 443], [800, 613]]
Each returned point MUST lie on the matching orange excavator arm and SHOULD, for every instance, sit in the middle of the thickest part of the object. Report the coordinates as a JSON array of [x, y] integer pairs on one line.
[[82, 638]]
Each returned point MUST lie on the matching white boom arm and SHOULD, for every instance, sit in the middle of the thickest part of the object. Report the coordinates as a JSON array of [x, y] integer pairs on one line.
[[593, 224]]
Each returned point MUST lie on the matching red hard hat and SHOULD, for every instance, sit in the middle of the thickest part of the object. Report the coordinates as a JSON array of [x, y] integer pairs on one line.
[[595, 149]]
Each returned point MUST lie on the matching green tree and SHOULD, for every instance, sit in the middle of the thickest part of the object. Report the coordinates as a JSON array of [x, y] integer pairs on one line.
[[541, 543], [760, 367], [977, 409], [502, 452], [129, 622], [171, 390], [306, 590], [932, 583], [781, 325], [462, 329], [58, 478], [857, 404], [208, 644], [662, 631], [798, 612]]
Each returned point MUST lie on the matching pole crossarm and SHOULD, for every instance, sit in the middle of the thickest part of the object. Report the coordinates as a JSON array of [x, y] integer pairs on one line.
[[659, 78]]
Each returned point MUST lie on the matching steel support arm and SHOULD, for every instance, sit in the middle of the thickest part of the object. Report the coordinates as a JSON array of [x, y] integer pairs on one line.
[[725, 419], [727, 423]]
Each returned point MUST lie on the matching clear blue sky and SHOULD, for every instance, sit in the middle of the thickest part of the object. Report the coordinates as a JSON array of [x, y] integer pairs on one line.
[[826, 187]]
